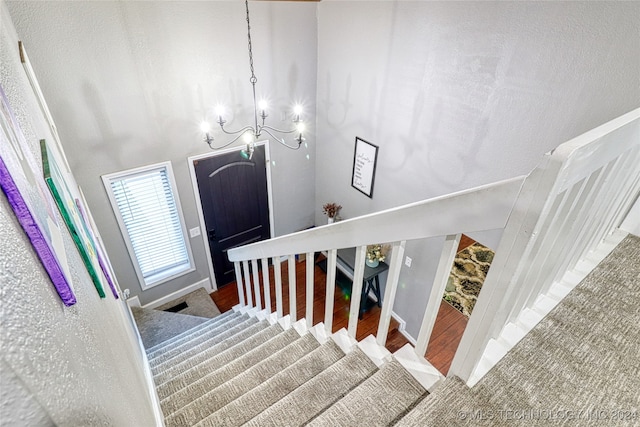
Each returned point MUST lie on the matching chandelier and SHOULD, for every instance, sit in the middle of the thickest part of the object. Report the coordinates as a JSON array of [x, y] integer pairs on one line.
[[252, 132]]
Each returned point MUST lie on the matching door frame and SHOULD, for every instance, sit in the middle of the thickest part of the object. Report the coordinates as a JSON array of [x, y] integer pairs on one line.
[[196, 194]]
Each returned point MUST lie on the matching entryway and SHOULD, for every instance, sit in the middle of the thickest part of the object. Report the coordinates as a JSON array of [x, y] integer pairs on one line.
[[233, 198]]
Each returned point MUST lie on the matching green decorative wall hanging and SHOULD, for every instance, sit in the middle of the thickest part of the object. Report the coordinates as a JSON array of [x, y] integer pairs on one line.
[[69, 211]]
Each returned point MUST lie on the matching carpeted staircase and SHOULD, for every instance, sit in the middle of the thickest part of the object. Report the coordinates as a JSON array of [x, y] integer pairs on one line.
[[583, 357]]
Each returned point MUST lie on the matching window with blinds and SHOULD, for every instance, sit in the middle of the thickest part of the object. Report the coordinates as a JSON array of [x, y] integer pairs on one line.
[[150, 218]]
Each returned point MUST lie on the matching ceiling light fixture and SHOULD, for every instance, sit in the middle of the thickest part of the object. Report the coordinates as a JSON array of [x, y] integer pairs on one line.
[[251, 133]]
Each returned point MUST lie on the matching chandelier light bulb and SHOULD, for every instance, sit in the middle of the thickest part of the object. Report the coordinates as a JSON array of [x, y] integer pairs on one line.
[[205, 127], [263, 105], [248, 137], [297, 109], [300, 127], [219, 110]]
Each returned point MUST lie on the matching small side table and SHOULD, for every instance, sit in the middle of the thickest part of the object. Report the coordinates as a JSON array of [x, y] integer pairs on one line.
[[370, 281]]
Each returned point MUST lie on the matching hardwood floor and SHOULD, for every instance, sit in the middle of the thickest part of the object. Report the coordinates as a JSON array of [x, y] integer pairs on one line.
[[446, 335]]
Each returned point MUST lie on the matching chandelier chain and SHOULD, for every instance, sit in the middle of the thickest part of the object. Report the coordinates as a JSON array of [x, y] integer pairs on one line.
[[253, 78], [254, 131]]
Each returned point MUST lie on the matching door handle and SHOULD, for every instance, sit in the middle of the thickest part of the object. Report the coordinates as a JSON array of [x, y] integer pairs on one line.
[[212, 233]]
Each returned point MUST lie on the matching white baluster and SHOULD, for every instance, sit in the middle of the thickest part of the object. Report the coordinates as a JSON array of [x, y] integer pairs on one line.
[[356, 290], [236, 265], [247, 283], [266, 284], [331, 289], [277, 275], [256, 283], [449, 250], [395, 265], [292, 289], [309, 290]]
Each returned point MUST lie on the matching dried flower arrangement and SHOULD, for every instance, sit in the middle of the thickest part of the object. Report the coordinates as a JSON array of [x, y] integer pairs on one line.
[[331, 209], [377, 252]]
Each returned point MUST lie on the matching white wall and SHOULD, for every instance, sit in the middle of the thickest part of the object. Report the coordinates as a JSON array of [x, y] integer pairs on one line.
[[459, 94], [59, 365], [128, 84]]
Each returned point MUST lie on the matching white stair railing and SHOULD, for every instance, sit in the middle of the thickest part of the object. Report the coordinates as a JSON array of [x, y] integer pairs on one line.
[[480, 209], [578, 195]]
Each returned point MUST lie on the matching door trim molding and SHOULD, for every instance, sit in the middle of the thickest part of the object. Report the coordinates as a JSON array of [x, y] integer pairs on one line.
[[196, 194]]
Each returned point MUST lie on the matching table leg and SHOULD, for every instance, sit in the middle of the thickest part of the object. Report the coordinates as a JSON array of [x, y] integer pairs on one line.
[[376, 291]]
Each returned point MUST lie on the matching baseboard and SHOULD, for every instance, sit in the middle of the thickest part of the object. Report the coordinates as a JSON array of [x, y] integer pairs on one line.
[[402, 324], [134, 302], [177, 294]]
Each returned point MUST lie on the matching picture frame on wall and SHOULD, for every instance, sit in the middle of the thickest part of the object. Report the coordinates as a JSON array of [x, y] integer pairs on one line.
[[31, 203], [60, 190], [365, 158]]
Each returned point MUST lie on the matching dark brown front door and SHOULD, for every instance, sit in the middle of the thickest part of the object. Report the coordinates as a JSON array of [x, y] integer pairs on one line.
[[235, 206]]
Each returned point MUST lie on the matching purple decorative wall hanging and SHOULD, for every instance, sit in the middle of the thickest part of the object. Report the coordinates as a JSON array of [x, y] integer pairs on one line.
[[34, 233], [30, 201]]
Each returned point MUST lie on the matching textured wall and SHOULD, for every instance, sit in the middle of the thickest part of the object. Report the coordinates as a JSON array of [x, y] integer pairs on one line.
[[459, 94], [129, 82], [60, 365]]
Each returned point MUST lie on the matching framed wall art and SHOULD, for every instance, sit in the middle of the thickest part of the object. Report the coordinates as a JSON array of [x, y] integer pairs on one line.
[[31, 202], [69, 211], [365, 157], [103, 260]]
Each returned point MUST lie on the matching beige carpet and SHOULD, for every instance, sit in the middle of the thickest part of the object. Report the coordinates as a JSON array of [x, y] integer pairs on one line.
[[156, 325], [198, 302]]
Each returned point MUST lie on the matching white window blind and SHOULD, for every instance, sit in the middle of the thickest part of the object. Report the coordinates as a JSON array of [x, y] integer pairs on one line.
[[151, 217]]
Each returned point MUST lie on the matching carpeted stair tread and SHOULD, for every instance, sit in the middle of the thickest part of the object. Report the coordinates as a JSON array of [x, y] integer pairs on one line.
[[209, 337], [378, 401], [447, 398], [206, 376], [195, 303], [208, 349], [577, 358], [312, 397], [156, 326], [218, 319], [204, 405], [187, 335], [250, 404]]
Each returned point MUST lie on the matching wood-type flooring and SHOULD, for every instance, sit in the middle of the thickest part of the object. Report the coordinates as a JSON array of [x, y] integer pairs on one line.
[[446, 335]]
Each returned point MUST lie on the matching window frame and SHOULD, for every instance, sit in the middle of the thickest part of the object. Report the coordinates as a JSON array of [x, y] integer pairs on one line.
[[116, 176]]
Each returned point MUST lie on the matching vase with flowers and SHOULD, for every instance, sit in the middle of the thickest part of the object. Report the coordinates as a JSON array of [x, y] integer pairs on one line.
[[375, 254], [331, 211]]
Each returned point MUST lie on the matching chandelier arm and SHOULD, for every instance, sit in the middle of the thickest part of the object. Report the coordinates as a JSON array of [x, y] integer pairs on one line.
[[233, 132], [225, 145], [281, 141], [278, 130]]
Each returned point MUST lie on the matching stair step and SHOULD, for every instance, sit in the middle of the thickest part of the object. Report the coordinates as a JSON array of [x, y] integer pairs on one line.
[[214, 336], [378, 354], [156, 356], [451, 390], [512, 334], [379, 400], [205, 351], [423, 371], [203, 405], [260, 398], [528, 319], [312, 397], [159, 348], [179, 391], [544, 304]]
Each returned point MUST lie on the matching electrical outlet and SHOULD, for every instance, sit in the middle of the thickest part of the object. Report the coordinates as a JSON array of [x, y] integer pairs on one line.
[[407, 261], [194, 232]]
